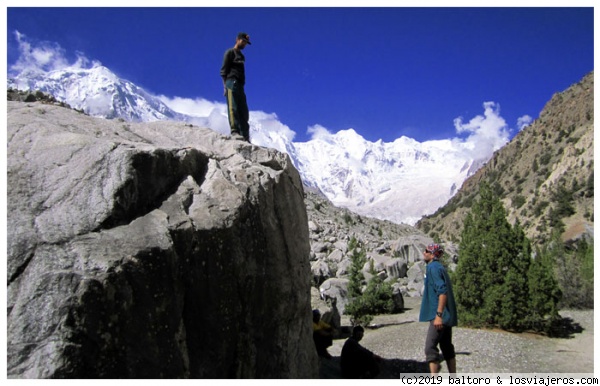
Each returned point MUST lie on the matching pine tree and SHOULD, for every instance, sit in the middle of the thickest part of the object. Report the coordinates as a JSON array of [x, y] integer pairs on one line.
[[515, 306], [469, 273], [486, 251], [585, 252], [358, 260], [377, 297], [575, 271], [544, 293], [493, 279], [357, 307]]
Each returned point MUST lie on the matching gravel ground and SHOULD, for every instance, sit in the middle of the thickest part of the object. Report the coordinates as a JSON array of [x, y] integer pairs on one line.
[[399, 339]]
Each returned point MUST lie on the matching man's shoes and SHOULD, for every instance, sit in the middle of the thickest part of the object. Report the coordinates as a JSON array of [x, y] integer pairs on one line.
[[237, 136]]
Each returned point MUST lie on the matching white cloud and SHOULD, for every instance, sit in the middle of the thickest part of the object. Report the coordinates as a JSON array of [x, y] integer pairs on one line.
[[202, 112], [43, 56], [486, 133], [214, 115], [269, 123], [198, 107], [319, 132], [523, 122]]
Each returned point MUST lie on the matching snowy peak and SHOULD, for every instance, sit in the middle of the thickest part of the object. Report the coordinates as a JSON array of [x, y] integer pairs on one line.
[[399, 181], [98, 92]]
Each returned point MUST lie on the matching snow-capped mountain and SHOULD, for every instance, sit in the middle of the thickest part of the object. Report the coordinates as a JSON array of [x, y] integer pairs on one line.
[[399, 181], [98, 92]]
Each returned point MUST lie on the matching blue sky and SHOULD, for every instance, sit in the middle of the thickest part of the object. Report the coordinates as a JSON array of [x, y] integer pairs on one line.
[[385, 71]]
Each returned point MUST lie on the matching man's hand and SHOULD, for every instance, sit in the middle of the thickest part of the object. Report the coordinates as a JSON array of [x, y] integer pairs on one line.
[[437, 323]]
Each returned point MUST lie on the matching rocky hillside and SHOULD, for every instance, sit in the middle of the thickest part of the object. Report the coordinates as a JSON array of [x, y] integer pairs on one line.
[[545, 175], [393, 250], [152, 250]]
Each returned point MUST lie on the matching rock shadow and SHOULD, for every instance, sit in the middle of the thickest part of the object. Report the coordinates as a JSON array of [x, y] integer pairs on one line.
[[389, 368], [393, 368]]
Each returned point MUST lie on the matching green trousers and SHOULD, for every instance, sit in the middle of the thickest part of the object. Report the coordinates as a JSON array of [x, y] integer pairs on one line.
[[237, 109]]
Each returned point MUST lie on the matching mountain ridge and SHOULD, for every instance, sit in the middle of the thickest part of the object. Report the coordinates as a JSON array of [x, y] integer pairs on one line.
[[544, 176], [366, 177], [98, 92]]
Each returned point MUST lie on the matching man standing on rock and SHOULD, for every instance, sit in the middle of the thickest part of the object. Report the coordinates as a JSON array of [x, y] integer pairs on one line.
[[439, 309], [234, 79]]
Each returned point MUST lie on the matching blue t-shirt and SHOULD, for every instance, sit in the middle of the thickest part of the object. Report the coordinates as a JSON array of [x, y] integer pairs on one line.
[[437, 282]]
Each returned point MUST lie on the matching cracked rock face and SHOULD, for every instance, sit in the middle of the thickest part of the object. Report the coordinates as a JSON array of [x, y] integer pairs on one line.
[[153, 250]]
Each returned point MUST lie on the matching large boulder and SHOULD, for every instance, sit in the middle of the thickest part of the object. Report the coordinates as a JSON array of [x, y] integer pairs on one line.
[[336, 256], [335, 291], [416, 279], [410, 248], [320, 272], [394, 267], [397, 297], [154, 250]]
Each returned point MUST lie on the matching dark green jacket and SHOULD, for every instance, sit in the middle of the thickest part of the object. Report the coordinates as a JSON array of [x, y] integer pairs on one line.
[[233, 66]]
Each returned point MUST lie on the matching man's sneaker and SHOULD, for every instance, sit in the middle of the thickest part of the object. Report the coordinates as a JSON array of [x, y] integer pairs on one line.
[[237, 136]]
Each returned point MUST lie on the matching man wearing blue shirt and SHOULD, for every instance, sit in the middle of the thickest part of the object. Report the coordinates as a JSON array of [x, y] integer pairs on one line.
[[439, 309]]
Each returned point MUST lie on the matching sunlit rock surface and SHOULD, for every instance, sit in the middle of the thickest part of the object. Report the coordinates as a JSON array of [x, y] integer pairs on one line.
[[152, 250]]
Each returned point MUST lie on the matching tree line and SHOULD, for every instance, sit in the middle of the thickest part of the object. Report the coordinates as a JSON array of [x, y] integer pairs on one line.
[[501, 280]]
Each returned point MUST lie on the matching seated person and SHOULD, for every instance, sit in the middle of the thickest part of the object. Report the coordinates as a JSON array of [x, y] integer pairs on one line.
[[357, 361], [322, 335]]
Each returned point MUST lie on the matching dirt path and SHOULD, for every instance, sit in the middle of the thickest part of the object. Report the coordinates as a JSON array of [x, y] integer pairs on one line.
[[400, 338], [574, 354]]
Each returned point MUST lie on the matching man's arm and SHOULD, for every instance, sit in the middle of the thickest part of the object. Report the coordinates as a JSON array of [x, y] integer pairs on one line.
[[441, 289], [225, 68], [442, 299]]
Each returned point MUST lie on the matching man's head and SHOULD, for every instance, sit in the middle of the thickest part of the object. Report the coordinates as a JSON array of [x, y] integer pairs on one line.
[[358, 332], [242, 39], [431, 252]]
